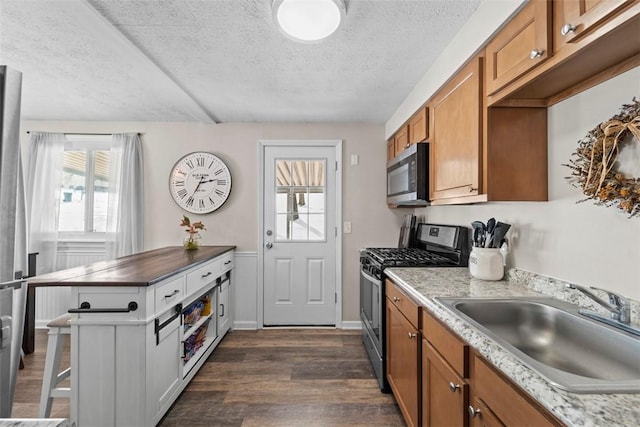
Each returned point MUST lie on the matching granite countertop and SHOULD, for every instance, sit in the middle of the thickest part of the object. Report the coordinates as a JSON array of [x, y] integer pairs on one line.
[[573, 409]]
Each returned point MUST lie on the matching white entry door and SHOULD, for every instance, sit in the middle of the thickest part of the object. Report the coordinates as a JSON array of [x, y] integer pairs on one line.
[[299, 235]]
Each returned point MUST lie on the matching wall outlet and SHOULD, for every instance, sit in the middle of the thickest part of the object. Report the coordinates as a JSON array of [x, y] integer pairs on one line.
[[346, 228], [354, 160]]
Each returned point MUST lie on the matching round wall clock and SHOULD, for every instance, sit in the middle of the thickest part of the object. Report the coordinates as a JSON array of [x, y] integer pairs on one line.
[[200, 182]]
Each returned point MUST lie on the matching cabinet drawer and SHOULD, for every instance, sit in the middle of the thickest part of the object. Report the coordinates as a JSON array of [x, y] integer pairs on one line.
[[405, 304], [169, 294], [203, 275], [505, 400], [452, 349], [226, 262]]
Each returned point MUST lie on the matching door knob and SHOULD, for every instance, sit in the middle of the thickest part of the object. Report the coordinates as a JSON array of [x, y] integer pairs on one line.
[[269, 232], [269, 245]]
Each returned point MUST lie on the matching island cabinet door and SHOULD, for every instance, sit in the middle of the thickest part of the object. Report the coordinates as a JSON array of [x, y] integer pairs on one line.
[[166, 368]]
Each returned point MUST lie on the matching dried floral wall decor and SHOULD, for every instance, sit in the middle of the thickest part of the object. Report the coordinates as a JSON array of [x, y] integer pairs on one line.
[[594, 166]]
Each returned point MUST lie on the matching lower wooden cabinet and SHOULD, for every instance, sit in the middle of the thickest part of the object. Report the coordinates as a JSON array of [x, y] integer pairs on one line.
[[496, 401], [403, 358], [444, 392], [438, 380]]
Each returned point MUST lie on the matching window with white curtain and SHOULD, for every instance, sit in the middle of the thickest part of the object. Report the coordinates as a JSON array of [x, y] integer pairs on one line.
[[84, 189]]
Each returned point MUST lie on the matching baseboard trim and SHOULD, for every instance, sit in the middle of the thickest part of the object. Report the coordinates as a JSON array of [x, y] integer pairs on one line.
[[251, 326], [351, 324]]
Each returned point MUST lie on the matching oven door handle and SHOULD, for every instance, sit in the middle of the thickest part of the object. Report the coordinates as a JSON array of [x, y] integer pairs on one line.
[[371, 278]]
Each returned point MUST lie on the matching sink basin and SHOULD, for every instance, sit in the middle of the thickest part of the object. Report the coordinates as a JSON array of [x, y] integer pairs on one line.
[[550, 336]]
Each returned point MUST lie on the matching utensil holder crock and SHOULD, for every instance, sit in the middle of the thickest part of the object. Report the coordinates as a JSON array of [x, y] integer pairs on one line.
[[486, 263]]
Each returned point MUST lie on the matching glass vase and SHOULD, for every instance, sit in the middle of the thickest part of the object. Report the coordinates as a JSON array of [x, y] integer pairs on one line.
[[191, 241]]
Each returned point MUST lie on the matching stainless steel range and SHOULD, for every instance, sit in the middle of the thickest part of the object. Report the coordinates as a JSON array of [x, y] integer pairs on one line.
[[435, 246]]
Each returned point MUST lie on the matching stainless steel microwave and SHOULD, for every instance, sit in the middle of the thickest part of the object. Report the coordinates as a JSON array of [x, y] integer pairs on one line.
[[408, 177]]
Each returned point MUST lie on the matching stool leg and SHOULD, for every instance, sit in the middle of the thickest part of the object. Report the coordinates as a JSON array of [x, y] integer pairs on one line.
[[51, 367]]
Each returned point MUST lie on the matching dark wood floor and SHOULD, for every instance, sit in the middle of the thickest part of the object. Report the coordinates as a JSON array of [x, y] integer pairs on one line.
[[271, 377]]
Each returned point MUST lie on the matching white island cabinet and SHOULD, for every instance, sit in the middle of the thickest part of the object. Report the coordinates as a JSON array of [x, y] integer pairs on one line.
[[142, 327]]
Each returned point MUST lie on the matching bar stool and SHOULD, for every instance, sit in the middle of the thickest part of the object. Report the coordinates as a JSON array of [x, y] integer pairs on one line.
[[58, 328]]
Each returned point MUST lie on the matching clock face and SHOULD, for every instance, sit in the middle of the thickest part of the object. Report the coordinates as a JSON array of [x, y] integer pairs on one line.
[[200, 182]]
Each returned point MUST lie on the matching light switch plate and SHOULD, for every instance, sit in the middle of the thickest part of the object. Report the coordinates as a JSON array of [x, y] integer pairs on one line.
[[354, 160], [346, 228]]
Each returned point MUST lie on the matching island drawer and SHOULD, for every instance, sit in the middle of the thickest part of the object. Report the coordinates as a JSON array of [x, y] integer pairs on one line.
[[169, 293], [203, 276], [226, 262]]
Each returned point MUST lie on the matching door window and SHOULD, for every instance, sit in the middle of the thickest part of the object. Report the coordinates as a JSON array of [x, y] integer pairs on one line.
[[300, 200]]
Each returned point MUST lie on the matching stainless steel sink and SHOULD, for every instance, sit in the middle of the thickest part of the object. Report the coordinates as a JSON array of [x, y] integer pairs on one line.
[[550, 336]]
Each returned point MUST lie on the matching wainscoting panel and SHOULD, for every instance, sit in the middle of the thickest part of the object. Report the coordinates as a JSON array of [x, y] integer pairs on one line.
[[244, 291], [53, 302]]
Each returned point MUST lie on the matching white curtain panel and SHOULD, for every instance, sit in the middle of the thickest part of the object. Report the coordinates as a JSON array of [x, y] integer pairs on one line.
[[126, 196], [44, 176]]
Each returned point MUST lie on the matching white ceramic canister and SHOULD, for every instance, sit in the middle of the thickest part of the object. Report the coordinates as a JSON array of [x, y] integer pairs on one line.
[[486, 263]]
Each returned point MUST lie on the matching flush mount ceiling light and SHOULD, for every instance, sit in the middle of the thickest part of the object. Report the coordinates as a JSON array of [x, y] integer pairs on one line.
[[308, 21]]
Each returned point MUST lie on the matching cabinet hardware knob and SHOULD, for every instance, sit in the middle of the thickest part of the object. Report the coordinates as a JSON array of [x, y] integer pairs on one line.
[[206, 275], [396, 299], [473, 411], [412, 335], [472, 189], [408, 145], [567, 28], [453, 387], [536, 53], [269, 245]]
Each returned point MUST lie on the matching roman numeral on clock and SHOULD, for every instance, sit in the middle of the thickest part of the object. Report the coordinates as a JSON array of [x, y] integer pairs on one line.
[[200, 161], [219, 192], [182, 193], [201, 203], [189, 201]]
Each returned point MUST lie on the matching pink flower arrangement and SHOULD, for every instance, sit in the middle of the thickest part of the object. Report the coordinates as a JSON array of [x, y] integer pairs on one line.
[[191, 241]]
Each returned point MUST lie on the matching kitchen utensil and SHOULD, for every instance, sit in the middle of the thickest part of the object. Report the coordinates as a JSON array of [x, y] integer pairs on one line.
[[478, 233], [491, 224], [500, 231]]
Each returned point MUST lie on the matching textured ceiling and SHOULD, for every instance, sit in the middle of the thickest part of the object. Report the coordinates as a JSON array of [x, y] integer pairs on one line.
[[218, 60]]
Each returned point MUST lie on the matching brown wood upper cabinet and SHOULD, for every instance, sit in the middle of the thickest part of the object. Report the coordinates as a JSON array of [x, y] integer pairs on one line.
[[481, 154], [403, 352], [401, 139], [419, 126], [391, 148], [456, 124], [521, 45], [573, 19]]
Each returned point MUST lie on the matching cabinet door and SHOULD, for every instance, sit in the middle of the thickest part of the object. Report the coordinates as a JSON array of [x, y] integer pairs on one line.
[[457, 135], [418, 126], [224, 318], [504, 399], [391, 149], [401, 140], [444, 393], [573, 19], [402, 363], [521, 45], [166, 365]]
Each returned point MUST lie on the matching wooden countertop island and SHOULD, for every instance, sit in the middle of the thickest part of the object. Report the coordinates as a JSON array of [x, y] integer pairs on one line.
[[141, 327], [141, 269]]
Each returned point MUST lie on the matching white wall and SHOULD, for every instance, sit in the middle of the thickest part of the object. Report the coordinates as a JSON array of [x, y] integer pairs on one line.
[[364, 186], [580, 243]]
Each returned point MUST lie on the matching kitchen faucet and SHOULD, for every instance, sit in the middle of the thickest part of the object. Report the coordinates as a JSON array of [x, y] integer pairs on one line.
[[618, 306]]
